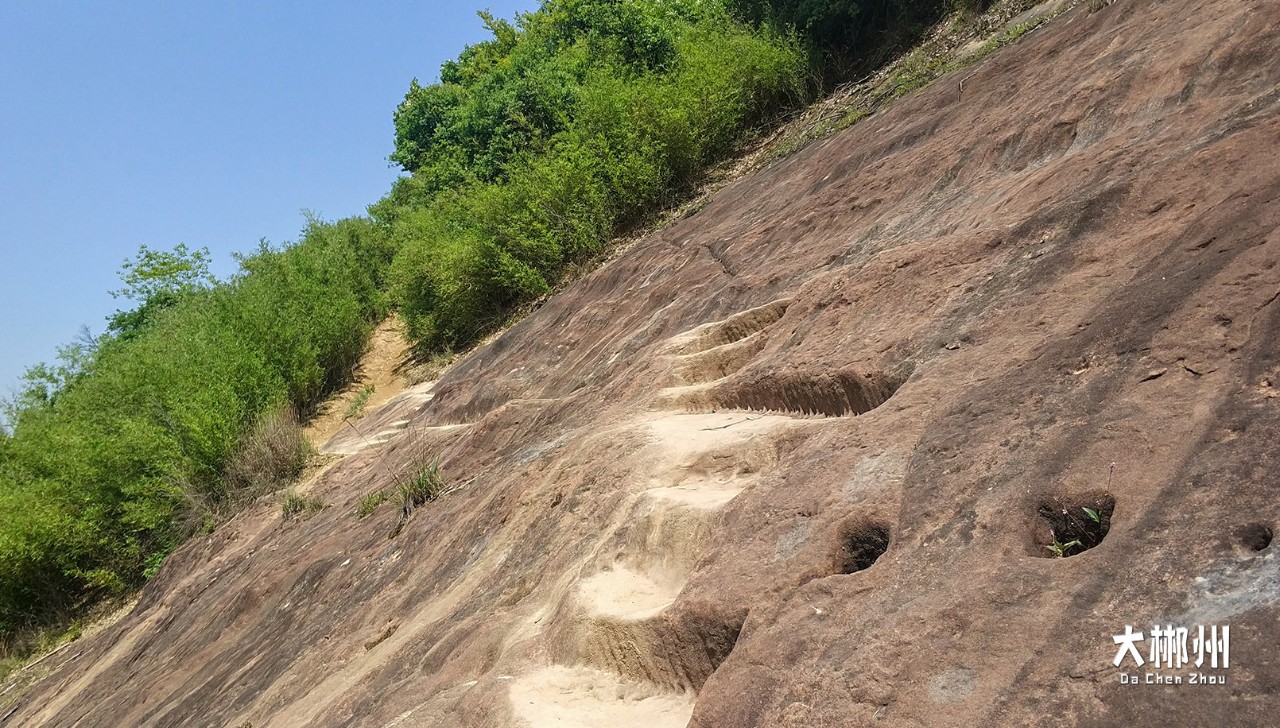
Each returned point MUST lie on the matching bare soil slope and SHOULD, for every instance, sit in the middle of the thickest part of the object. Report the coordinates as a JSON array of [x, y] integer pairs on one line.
[[795, 460], [378, 378]]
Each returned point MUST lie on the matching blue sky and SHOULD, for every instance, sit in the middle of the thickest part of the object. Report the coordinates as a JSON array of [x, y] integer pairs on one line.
[[211, 124]]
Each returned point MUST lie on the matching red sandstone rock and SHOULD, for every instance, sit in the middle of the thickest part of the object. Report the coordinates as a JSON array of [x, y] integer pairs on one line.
[[955, 312]]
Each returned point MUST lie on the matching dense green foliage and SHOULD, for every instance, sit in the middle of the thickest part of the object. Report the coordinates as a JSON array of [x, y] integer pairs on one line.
[[110, 452], [156, 280], [575, 122], [848, 36]]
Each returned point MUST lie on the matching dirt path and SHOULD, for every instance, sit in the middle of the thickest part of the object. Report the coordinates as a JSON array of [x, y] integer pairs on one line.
[[381, 372]]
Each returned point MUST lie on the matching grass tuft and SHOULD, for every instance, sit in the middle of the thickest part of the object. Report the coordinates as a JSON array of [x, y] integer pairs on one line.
[[296, 505], [369, 503], [426, 485], [273, 452], [355, 410]]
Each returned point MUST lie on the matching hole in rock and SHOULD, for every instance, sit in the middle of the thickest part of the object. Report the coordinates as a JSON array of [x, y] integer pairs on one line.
[[1071, 526], [861, 545], [1254, 536], [834, 395]]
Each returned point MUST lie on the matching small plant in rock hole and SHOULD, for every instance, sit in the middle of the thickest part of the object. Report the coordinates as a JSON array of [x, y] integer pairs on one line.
[[1070, 546], [1077, 524], [1062, 550]]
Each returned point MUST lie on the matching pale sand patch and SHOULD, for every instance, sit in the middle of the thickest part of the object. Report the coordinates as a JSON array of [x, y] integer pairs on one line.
[[564, 696], [624, 594], [684, 435], [680, 441], [356, 443], [701, 493]]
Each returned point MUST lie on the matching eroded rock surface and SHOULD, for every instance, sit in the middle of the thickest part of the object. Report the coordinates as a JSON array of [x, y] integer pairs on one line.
[[805, 488]]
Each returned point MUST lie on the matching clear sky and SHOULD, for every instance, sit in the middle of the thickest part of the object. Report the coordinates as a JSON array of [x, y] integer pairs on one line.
[[209, 123]]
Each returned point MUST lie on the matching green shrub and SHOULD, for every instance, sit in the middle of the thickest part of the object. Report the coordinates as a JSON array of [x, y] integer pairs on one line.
[[132, 441], [441, 277], [539, 145], [850, 36]]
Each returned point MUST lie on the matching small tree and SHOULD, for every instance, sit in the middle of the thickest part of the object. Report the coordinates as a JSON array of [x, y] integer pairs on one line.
[[156, 280]]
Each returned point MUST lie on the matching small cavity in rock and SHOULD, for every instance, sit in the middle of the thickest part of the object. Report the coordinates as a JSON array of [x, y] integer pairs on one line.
[[1075, 525], [861, 546], [1254, 536]]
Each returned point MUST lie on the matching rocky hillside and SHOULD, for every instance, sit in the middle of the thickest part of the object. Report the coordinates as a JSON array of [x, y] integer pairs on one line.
[[900, 430]]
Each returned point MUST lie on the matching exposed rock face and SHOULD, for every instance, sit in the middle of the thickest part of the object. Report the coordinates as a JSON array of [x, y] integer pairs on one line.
[[950, 321]]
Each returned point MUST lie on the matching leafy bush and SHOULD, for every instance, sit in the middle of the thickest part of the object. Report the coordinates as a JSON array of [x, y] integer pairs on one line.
[[847, 36], [137, 434], [538, 145], [156, 280]]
